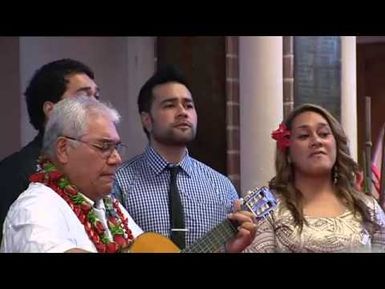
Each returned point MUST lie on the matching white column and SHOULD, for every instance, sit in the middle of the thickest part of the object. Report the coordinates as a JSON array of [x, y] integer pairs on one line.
[[140, 67], [349, 91], [261, 107]]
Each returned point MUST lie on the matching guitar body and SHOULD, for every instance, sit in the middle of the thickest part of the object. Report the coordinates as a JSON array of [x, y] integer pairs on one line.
[[151, 242]]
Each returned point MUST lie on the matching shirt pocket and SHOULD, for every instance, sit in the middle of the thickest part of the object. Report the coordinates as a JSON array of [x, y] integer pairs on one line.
[[208, 200]]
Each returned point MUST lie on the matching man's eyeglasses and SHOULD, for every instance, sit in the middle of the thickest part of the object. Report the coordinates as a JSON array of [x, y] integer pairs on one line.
[[105, 148]]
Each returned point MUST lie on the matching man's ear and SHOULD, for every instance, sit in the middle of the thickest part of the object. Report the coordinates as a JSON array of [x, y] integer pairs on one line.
[[146, 119], [61, 149], [47, 108]]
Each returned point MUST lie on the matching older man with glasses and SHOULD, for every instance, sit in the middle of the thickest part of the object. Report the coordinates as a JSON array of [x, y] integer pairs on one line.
[[67, 206]]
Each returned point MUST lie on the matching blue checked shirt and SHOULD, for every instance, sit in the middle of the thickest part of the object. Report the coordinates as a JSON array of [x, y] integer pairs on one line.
[[142, 186]]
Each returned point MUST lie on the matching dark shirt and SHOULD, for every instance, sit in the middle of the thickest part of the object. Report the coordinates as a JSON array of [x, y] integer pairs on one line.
[[14, 173]]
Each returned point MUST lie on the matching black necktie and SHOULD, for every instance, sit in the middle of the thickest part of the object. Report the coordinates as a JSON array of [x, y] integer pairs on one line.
[[176, 211]]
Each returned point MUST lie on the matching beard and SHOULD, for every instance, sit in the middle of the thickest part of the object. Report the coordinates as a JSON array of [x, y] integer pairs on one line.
[[174, 137]]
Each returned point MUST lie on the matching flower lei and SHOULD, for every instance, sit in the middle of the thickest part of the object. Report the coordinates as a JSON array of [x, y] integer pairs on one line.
[[117, 222], [282, 136]]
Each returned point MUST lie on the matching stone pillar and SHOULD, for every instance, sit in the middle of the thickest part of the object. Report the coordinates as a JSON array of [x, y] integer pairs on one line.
[[261, 106], [349, 91]]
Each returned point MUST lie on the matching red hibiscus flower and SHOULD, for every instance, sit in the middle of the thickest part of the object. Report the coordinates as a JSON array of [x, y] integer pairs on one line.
[[282, 136]]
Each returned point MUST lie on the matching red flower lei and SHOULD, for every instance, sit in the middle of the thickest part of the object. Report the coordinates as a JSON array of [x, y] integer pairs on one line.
[[117, 222], [282, 136]]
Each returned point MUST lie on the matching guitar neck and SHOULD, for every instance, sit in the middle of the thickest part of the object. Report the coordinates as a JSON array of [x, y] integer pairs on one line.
[[214, 239], [259, 201]]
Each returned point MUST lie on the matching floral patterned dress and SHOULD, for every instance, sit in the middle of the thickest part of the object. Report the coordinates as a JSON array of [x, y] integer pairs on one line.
[[344, 233]]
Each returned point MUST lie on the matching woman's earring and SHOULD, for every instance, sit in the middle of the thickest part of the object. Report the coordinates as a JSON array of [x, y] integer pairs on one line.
[[335, 175]]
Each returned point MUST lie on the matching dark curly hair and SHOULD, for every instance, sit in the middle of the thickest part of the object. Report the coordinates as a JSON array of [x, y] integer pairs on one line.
[[49, 83], [347, 168]]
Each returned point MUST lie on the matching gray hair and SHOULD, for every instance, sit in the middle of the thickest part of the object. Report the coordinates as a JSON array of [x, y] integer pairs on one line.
[[69, 118]]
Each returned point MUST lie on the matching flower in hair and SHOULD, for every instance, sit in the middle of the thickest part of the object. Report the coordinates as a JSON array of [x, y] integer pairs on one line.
[[282, 136]]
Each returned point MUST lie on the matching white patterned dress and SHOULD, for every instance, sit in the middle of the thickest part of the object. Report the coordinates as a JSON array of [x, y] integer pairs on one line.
[[344, 233]]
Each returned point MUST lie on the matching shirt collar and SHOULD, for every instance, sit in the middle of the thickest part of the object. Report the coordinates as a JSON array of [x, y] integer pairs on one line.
[[158, 164], [87, 199], [98, 204]]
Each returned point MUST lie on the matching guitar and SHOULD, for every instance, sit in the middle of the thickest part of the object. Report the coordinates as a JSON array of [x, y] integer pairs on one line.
[[260, 202]]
